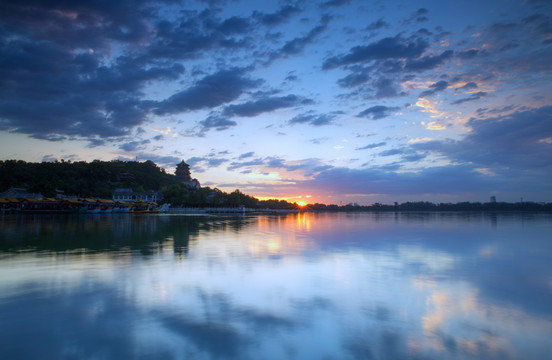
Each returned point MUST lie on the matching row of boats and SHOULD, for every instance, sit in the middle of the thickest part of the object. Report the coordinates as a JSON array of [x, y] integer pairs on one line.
[[80, 206]]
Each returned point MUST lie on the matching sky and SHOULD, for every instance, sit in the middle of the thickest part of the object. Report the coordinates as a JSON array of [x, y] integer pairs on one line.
[[330, 101]]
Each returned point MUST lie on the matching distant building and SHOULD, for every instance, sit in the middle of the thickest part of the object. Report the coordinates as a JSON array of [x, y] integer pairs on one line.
[[20, 193], [493, 199], [128, 195]]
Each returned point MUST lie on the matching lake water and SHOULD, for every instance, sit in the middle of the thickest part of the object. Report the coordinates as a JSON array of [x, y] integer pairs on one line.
[[299, 286]]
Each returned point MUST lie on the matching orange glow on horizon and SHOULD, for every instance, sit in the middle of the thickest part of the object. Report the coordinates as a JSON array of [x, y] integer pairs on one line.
[[291, 199]]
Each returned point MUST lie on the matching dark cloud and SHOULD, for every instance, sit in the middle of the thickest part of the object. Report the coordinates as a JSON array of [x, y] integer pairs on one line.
[[386, 88], [355, 79], [418, 16], [413, 157], [246, 155], [79, 24], [195, 160], [502, 28], [216, 162], [198, 32], [266, 104], [198, 164], [376, 25], [540, 23], [392, 152], [377, 112], [428, 62], [235, 25], [296, 45], [372, 146], [334, 3], [238, 165], [55, 81], [387, 48], [217, 122], [292, 77], [278, 17], [472, 97], [434, 88], [424, 32], [540, 26], [134, 145], [312, 119], [469, 54], [519, 141], [209, 92], [49, 137], [308, 166], [82, 99], [94, 142], [469, 86]]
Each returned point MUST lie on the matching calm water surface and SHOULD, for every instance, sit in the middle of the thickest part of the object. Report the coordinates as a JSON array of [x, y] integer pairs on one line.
[[302, 286]]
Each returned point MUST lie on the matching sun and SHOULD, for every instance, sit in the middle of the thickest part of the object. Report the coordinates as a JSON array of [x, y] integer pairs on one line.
[[302, 203]]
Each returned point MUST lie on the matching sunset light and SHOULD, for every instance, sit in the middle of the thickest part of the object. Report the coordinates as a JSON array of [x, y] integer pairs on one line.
[[276, 179]]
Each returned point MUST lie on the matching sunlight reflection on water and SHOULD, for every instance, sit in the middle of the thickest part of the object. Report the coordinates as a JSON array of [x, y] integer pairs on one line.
[[302, 286]]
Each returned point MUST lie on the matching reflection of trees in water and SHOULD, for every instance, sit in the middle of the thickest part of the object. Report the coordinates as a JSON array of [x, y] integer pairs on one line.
[[148, 234], [97, 233]]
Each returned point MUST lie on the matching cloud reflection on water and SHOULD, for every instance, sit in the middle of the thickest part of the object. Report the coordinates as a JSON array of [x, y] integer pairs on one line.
[[302, 286]]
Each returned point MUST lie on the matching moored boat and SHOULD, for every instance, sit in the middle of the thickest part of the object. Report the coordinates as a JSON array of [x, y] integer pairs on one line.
[[142, 207]]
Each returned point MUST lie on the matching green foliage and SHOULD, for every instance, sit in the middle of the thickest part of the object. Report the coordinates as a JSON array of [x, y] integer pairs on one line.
[[95, 179], [277, 204], [237, 198], [175, 194]]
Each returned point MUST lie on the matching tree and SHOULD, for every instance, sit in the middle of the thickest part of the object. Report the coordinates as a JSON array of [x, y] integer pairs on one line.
[[176, 194]]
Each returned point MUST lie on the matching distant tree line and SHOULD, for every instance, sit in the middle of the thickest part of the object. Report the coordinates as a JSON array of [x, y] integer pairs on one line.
[[429, 206]]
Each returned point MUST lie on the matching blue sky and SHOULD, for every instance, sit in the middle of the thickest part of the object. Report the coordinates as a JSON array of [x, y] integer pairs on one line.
[[330, 101]]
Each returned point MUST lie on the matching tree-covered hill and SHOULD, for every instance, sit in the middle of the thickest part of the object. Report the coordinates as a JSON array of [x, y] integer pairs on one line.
[[97, 178]]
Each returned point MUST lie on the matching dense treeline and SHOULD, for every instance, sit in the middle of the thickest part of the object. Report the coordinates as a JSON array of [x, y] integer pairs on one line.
[[94, 179]]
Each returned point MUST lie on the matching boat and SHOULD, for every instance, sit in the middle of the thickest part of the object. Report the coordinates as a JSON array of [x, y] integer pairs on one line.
[[120, 207], [46, 205], [142, 207]]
